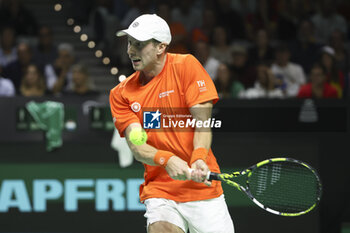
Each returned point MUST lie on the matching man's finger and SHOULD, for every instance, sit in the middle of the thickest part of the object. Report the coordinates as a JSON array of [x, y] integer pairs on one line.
[[208, 183], [189, 173]]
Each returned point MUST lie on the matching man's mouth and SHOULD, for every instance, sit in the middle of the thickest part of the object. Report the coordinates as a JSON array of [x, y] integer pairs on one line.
[[136, 61]]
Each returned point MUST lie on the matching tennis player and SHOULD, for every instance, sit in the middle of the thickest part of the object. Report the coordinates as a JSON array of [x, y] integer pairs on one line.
[[176, 199]]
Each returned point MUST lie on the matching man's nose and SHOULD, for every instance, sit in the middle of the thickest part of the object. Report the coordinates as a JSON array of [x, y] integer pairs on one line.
[[130, 50]]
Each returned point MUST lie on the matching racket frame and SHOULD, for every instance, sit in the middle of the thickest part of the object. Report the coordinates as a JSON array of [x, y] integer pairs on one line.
[[226, 177]]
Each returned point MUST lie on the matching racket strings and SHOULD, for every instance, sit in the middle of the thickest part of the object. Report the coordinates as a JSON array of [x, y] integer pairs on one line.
[[285, 187]]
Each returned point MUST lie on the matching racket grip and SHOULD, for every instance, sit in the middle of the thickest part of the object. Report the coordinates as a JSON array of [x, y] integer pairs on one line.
[[210, 175], [213, 176]]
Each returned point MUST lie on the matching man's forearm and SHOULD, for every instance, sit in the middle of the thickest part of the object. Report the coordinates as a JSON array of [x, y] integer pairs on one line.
[[143, 153], [203, 135], [146, 153], [202, 138]]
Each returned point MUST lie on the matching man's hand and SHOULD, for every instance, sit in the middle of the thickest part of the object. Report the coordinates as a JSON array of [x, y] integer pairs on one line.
[[200, 171], [178, 169]]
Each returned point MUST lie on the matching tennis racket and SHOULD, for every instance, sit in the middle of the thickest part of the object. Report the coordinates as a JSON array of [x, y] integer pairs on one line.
[[281, 186]]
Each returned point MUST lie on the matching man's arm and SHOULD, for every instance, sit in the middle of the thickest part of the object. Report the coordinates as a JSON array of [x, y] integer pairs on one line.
[[176, 167], [202, 136], [201, 141]]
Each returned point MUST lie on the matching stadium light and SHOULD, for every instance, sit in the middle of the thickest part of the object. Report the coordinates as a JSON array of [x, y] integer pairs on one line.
[[77, 29], [122, 78], [98, 53], [106, 60], [91, 44], [70, 21], [58, 7], [83, 37], [114, 70]]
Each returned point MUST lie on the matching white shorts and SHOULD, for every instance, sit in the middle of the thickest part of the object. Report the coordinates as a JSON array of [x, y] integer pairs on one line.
[[207, 216]]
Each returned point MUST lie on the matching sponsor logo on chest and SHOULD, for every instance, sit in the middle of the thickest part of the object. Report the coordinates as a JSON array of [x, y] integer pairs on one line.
[[165, 93]]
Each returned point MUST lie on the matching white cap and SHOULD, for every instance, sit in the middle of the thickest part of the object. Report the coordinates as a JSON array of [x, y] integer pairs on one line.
[[329, 50], [147, 27]]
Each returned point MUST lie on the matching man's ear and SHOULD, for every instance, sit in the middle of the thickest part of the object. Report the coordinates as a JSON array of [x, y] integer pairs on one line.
[[161, 48]]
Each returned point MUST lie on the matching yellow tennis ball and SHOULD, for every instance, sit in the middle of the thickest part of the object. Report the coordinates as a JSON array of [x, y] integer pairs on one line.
[[138, 136]]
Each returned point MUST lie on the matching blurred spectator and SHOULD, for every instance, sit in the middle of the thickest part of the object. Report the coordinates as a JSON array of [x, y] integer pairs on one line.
[[241, 69], [81, 16], [288, 14], [138, 8], [32, 83], [308, 7], [244, 7], [343, 8], [186, 14], [179, 35], [59, 75], [337, 42], [15, 70], [8, 51], [82, 85], [328, 20], [291, 74], [220, 48], [305, 49], [263, 18], [230, 20], [334, 76], [318, 86], [261, 50], [46, 51], [205, 31], [226, 85], [202, 53], [265, 85], [120, 8], [12, 12], [7, 89], [103, 23]]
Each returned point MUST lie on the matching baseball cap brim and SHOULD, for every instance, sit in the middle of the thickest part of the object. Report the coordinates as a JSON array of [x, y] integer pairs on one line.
[[135, 34]]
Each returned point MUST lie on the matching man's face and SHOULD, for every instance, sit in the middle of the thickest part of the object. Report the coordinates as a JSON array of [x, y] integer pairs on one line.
[[262, 74], [282, 57], [45, 37], [65, 57], [143, 54], [317, 76], [24, 54], [32, 75], [79, 78]]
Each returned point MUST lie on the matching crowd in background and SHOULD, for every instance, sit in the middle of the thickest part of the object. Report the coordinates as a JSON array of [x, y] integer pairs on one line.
[[250, 48]]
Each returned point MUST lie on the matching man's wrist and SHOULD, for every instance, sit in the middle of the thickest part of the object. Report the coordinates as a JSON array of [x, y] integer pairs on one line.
[[199, 153], [161, 157]]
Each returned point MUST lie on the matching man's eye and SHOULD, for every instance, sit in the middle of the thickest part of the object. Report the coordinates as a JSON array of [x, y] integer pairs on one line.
[[136, 44]]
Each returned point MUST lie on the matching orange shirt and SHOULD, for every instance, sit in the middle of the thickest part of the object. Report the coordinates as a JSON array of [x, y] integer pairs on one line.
[[182, 83]]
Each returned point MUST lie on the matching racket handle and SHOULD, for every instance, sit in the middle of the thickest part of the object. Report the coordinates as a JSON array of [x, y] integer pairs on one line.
[[210, 175], [213, 176]]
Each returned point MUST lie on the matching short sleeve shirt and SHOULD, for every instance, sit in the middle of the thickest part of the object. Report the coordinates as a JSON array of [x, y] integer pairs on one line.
[[182, 83]]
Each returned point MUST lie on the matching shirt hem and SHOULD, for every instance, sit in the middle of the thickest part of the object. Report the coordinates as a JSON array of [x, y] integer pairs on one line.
[[181, 199]]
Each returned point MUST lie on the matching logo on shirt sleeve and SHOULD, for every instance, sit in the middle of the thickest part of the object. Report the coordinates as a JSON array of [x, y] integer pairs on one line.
[[201, 85], [151, 120], [136, 106]]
